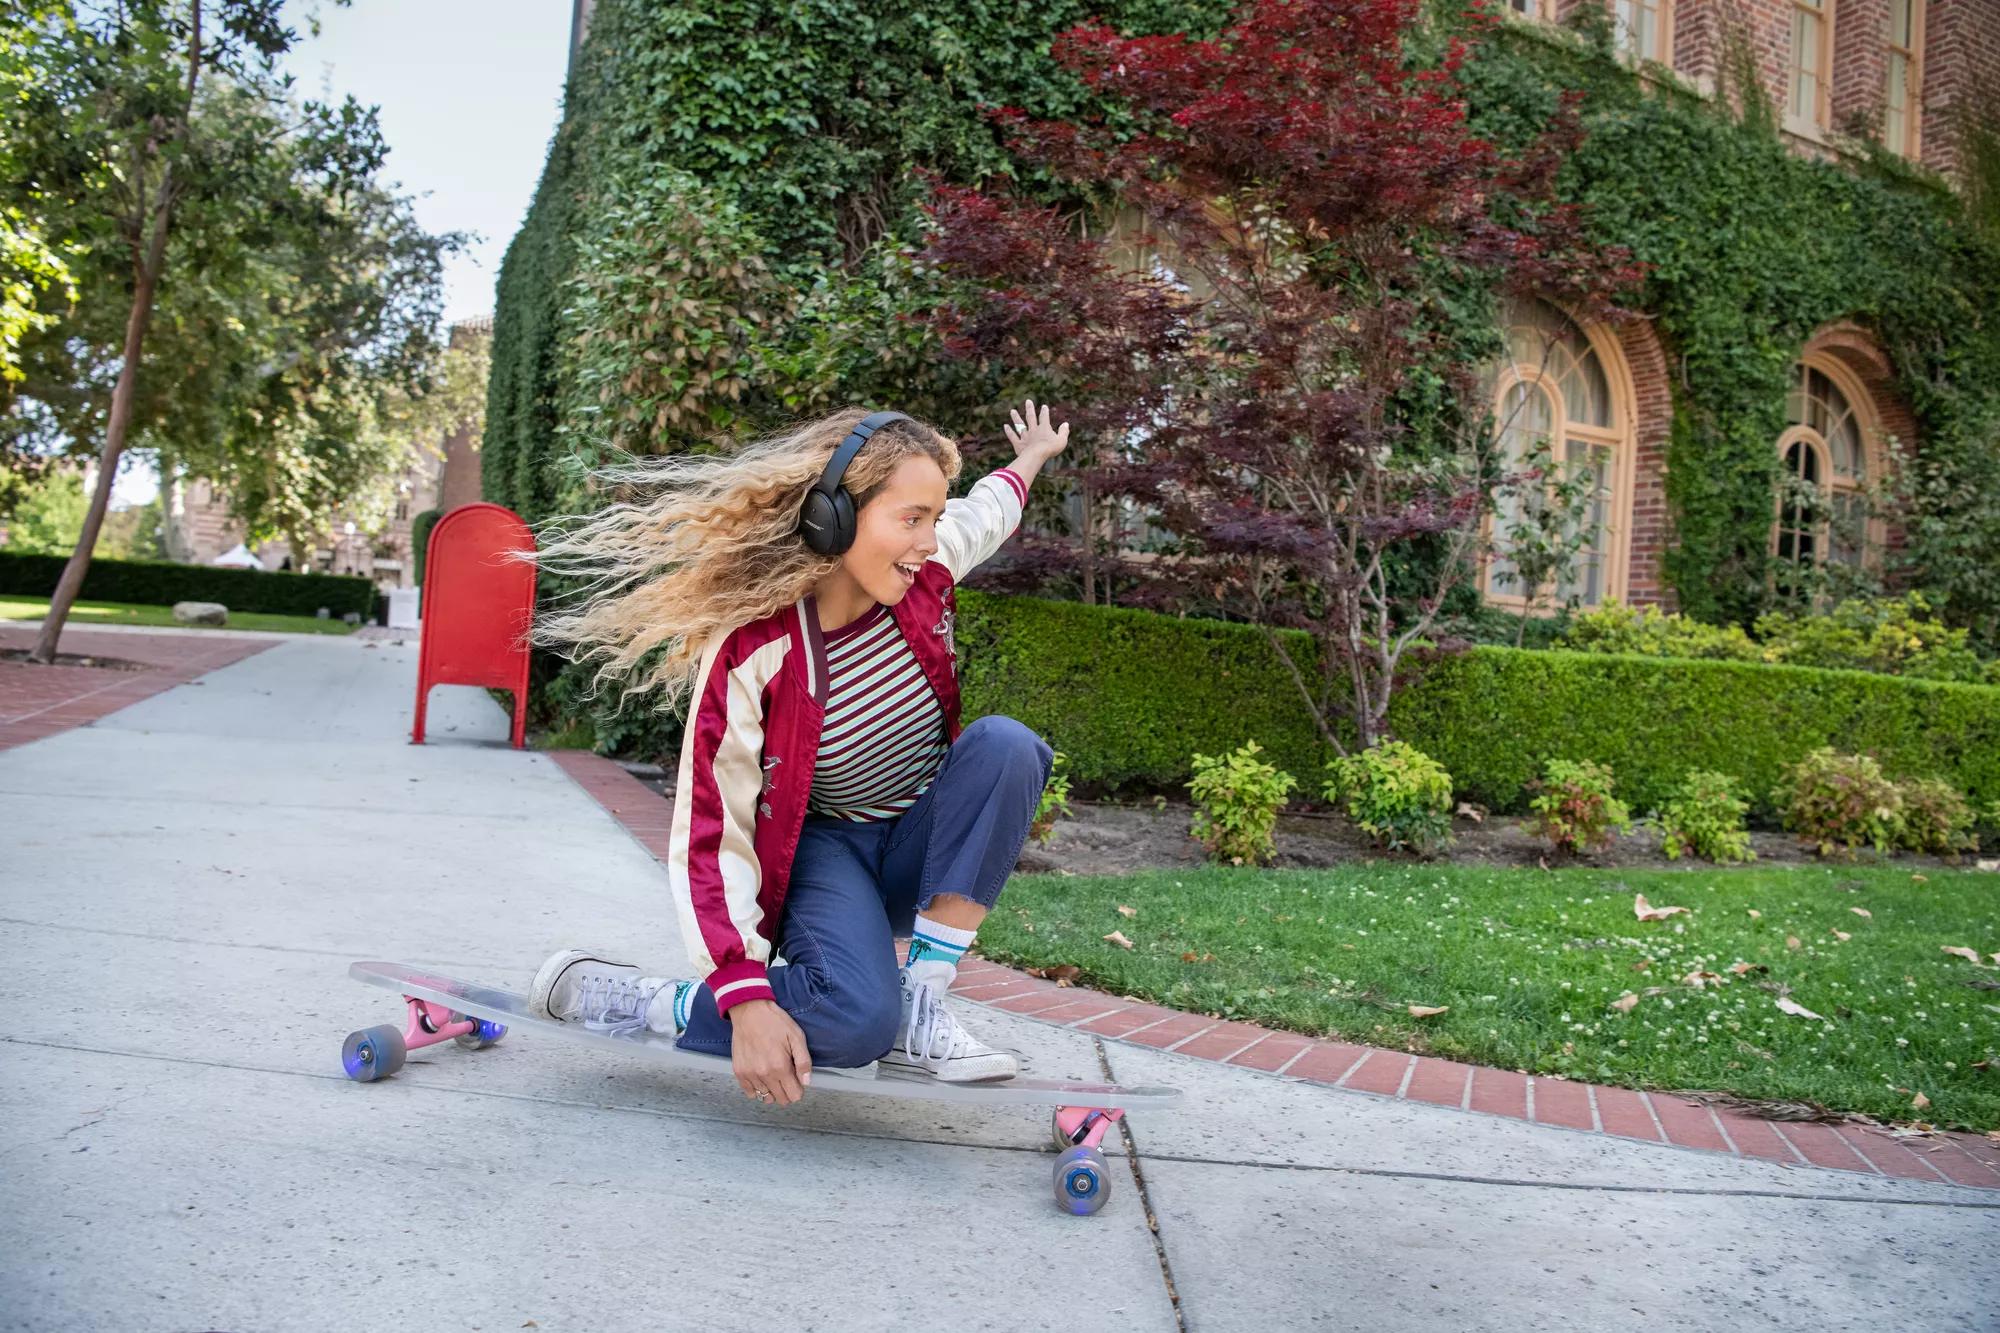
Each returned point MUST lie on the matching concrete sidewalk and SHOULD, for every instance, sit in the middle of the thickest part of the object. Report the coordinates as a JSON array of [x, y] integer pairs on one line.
[[183, 882]]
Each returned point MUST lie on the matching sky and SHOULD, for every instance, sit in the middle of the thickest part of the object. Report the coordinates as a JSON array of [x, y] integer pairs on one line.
[[469, 92]]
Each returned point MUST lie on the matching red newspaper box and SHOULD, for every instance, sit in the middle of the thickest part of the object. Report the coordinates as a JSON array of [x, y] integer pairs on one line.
[[477, 608]]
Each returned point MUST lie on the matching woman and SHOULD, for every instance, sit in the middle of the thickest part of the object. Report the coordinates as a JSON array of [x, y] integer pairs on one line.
[[827, 800]]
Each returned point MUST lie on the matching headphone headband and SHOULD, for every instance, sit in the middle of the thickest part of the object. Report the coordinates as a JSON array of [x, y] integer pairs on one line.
[[836, 466]]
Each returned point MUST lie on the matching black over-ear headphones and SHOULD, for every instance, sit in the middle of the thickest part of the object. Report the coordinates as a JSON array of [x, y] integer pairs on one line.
[[826, 522]]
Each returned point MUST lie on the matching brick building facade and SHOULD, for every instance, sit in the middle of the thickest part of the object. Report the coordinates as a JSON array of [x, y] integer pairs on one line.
[[1895, 72]]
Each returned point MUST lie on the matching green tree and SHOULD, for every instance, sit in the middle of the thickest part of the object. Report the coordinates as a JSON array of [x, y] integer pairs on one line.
[[46, 513], [218, 227]]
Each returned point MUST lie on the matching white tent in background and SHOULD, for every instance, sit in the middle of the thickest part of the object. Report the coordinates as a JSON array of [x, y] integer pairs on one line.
[[238, 556]]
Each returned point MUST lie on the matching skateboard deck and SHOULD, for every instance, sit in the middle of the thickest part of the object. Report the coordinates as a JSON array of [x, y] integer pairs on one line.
[[441, 1008], [511, 1010]]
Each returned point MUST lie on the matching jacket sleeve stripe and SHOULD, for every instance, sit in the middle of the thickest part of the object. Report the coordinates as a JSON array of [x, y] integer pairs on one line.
[[712, 864], [974, 525]]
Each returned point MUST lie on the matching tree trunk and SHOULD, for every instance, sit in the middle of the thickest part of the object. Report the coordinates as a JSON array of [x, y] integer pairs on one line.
[[122, 399], [1091, 545]]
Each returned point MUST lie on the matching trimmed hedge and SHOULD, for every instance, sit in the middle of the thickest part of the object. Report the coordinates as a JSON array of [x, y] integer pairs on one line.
[[1130, 696], [420, 539], [162, 583]]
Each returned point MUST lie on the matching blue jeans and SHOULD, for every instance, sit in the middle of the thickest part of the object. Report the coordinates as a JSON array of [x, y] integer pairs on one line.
[[856, 887]]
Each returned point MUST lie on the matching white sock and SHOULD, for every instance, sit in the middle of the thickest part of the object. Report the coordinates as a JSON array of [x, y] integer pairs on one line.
[[667, 1011], [935, 950]]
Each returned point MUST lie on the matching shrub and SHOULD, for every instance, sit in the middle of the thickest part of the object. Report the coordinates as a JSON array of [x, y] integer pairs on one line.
[[1704, 817], [1396, 794], [420, 539], [1574, 808], [1237, 798], [164, 582], [1887, 635], [1651, 632], [1936, 818], [1054, 801], [1838, 802]]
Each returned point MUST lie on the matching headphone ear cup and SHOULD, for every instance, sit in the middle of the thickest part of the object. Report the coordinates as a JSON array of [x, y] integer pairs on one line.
[[843, 521], [826, 522]]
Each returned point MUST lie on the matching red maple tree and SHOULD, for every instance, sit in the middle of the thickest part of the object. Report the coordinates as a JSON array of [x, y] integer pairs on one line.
[[1283, 397]]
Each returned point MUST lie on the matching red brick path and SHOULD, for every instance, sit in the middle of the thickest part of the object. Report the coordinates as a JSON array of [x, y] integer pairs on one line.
[[1962, 1159], [38, 701]]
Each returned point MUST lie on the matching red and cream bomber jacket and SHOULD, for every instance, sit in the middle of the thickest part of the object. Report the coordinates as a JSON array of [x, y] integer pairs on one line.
[[753, 734]]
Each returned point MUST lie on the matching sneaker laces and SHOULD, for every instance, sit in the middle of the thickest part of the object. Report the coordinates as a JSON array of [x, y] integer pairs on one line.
[[615, 1004], [933, 1036]]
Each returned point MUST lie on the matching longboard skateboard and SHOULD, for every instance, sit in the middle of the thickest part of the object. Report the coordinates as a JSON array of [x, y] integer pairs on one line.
[[442, 1008]]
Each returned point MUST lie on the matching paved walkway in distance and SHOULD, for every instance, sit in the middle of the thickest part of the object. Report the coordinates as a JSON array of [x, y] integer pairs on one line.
[[183, 883], [38, 701]]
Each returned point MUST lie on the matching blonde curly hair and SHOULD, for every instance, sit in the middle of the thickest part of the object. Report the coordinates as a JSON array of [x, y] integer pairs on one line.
[[693, 543]]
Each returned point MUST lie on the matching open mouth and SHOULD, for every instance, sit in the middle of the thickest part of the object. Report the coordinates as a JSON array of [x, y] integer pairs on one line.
[[908, 573]]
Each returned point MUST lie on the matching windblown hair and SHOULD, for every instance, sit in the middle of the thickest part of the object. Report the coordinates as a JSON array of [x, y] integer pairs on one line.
[[693, 543]]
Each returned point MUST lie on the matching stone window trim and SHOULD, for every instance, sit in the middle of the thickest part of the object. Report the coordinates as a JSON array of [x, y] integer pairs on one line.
[[1833, 484], [1620, 437]]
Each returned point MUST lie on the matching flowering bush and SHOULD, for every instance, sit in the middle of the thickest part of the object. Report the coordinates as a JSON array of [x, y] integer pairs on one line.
[[1838, 802], [1574, 808], [1237, 798], [1936, 818], [1651, 632], [1888, 635], [1704, 817], [1396, 794]]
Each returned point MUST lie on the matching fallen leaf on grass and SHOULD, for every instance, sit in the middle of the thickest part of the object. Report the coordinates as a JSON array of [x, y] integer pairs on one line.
[[1117, 937], [1842, 936], [1919, 879], [1190, 957], [1794, 1007], [1698, 979], [1791, 941], [1740, 968], [1063, 974], [1623, 1004], [1919, 1102], [1123, 910], [1862, 911], [1426, 1010], [1755, 915], [1642, 965], [1960, 951], [1644, 912]]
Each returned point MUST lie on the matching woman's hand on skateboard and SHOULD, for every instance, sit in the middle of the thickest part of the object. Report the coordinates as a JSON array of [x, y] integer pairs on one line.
[[768, 1053]]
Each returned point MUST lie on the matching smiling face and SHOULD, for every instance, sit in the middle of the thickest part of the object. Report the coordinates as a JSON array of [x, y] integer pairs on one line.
[[896, 531]]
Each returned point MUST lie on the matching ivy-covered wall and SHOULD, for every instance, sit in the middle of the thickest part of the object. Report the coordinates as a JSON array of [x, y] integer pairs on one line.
[[702, 257]]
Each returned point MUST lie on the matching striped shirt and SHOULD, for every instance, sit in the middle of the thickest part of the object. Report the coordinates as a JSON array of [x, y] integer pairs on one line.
[[884, 736]]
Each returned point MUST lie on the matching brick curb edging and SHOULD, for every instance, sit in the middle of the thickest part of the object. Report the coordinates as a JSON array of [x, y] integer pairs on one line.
[[39, 701], [1949, 1158]]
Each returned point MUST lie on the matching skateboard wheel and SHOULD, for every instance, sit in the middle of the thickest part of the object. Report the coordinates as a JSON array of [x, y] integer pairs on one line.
[[482, 1036], [373, 1053], [1082, 1181]]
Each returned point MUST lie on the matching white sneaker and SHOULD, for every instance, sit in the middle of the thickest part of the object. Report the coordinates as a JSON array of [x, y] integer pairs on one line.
[[932, 1042], [576, 986]]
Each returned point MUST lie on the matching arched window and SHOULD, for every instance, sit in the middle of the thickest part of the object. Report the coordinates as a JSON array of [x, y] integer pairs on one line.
[[1560, 388], [1825, 453]]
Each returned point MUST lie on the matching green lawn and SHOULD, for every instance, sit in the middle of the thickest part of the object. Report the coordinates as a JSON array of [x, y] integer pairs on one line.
[[127, 613], [1529, 963]]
